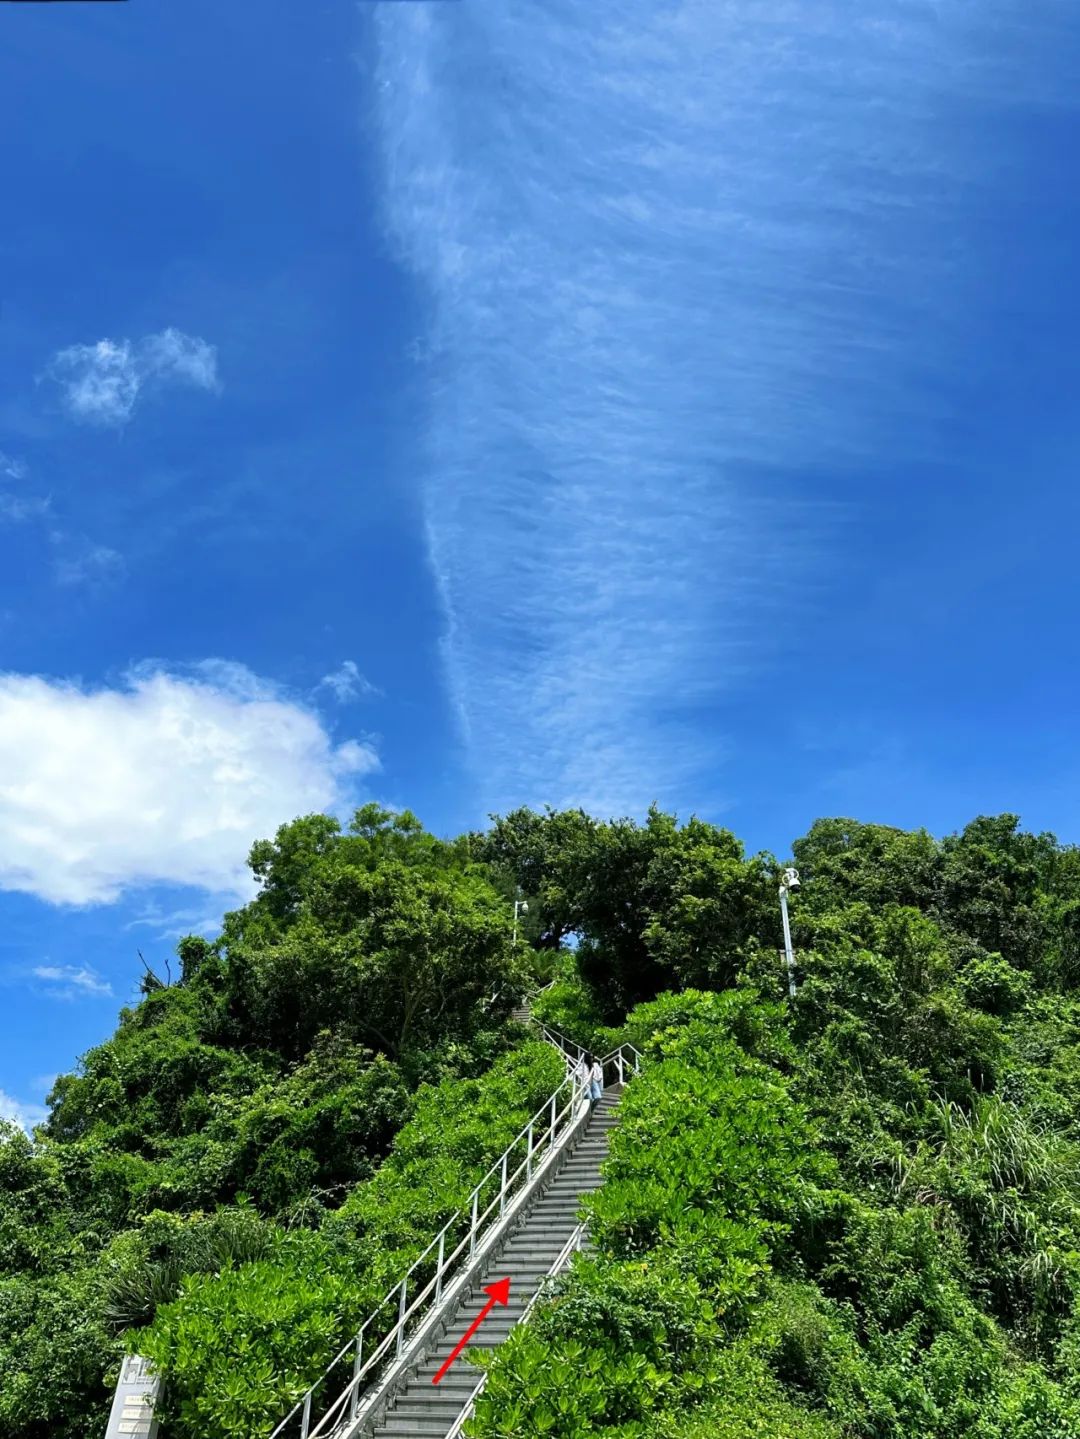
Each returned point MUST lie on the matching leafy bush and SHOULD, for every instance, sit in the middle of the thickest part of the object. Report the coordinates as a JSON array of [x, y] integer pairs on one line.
[[54, 1352], [240, 1344], [570, 1007], [707, 1165], [235, 1346], [991, 983], [748, 1404], [855, 1214]]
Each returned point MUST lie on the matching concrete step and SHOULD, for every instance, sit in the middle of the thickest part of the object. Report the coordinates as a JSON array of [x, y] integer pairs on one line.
[[433, 1426], [537, 1248]]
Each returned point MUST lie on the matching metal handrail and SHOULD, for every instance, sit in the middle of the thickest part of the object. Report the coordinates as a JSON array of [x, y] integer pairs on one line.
[[570, 1049], [572, 1245], [559, 1119], [573, 1051], [415, 1304], [626, 1057]]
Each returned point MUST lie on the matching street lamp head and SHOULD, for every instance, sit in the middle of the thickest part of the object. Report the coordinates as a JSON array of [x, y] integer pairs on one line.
[[524, 906], [791, 879]]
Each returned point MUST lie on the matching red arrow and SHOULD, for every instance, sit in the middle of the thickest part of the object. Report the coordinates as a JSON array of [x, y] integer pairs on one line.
[[500, 1294]]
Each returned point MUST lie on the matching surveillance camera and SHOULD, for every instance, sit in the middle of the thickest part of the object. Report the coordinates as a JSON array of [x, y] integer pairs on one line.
[[791, 879]]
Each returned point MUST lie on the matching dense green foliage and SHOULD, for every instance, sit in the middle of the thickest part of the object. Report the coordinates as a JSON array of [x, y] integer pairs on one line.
[[218, 1170], [291, 1306], [853, 1216]]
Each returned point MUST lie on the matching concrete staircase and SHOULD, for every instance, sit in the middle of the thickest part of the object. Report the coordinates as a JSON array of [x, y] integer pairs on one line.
[[423, 1410]]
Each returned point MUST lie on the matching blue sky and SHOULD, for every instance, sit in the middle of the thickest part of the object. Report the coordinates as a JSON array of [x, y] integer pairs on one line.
[[465, 405]]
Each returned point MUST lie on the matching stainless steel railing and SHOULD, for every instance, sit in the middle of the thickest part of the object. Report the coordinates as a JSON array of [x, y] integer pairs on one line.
[[572, 1245], [379, 1349], [382, 1338], [621, 1062]]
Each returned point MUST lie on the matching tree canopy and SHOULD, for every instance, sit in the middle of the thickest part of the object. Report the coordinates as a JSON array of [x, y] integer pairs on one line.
[[855, 1215]]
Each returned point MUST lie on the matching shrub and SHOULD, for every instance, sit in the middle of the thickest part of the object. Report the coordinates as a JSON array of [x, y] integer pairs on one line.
[[239, 1345]]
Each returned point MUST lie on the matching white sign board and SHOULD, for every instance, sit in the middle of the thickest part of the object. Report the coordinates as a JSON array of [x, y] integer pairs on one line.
[[137, 1391]]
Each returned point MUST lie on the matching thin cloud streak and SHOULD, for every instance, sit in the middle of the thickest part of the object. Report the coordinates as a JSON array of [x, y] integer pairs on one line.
[[670, 250], [71, 981], [77, 560]]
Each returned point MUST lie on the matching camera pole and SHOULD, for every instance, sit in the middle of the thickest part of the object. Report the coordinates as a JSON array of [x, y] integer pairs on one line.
[[790, 881]]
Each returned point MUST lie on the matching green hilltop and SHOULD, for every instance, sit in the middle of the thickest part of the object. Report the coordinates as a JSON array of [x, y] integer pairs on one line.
[[854, 1214]]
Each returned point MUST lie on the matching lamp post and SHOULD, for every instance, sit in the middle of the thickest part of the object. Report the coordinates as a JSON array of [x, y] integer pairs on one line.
[[789, 882], [521, 905]]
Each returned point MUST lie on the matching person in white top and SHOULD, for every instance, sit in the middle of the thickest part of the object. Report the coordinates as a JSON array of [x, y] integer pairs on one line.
[[581, 1074], [596, 1081]]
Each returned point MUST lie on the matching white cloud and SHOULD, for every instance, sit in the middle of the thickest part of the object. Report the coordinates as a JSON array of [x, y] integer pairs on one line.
[[80, 561], [167, 778], [681, 260], [23, 1114], [76, 559], [102, 383], [17, 509], [176, 356], [11, 468], [347, 683], [69, 981], [175, 924]]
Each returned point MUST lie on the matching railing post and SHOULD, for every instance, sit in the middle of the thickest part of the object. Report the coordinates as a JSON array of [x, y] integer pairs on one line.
[[439, 1267], [401, 1318], [472, 1227], [551, 1127], [305, 1422], [618, 1061], [354, 1402], [502, 1189], [529, 1154]]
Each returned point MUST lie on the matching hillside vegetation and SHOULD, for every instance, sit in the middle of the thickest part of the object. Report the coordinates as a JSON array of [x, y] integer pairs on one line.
[[853, 1216]]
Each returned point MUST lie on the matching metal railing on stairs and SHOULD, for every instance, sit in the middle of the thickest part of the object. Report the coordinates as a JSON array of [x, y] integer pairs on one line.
[[572, 1245], [381, 1350], [383, 1337], [621, 1062]]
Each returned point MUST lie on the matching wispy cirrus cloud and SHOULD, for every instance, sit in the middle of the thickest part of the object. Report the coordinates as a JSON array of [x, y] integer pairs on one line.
[[102, 383], [71, 981], [174, 924], [346, 683], [11, 468], [77, 560], [17, 509], [678, 256]]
